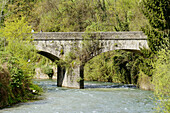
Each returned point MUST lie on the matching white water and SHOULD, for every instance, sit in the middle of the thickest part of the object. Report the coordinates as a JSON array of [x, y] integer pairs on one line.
[[89, 100]]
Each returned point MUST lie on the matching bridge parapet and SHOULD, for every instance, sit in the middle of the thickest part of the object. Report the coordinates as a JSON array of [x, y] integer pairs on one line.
[[133, 35]]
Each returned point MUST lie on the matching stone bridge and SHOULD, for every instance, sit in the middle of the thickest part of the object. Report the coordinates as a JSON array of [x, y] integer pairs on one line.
[[55, 45]]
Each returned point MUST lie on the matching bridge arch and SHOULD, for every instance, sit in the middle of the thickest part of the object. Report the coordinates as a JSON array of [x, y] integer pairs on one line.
[[90, 66], [48, 55], [61, 71]]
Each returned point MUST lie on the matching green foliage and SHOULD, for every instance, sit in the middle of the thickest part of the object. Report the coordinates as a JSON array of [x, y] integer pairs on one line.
[[15, 86], [4, 87], [90, 47], [116, 66], [17, 59], [125, 66], [49, 71], [122, 25], [3, 11], [17, 29], [17, 77], [161, 81], [157, 14], [144, 81], [146, 60], [82, 15], [2, 43], [79, 79], [120, 63], [100, 68], [18, 37], [35, 89], [19, 9], [45, 65], [42, 61], [157, 40]]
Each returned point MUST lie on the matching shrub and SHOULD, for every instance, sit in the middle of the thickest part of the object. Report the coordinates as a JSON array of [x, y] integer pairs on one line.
[[161, 81], [17, 57], [49, 71], [4, 87]]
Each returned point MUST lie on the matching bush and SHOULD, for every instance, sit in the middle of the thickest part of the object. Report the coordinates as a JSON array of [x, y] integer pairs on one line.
[[15, 86], [80, 15], [49, 71], [161, 81], [4, 87], [144, 81], [17, 63], [99, 69], [116, 66]]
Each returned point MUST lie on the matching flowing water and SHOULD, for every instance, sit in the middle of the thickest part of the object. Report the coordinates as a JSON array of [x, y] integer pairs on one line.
[[97, 97]]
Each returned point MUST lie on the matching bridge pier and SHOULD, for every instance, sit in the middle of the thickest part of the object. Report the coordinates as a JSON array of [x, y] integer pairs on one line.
[[72, 78], [60, 75]]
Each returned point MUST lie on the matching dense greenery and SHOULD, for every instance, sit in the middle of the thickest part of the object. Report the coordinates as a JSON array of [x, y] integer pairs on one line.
[[82, 15], [158, 32], [49, 71], [159, 23], [117, 66], [161, 81], [17, 63]]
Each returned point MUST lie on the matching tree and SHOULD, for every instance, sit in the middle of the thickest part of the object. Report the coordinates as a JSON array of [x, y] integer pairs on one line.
[[157, 12], [17, 63], [80, 15], [158, 32], [161, 81], [3, 10], [20, 8], [18, 37]]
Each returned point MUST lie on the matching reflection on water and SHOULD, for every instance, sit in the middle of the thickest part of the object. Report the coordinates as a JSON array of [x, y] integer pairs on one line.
[[95, 98]]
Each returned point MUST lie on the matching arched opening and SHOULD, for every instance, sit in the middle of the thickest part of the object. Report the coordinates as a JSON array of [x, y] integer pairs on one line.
[[132, 50], [60, 70], [118, 66]]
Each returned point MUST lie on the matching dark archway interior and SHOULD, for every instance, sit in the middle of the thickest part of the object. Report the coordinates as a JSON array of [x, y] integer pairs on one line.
[[48, 55], [132, 50]]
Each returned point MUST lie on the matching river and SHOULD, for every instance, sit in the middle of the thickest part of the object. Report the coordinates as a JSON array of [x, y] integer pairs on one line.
[[97, 97]]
